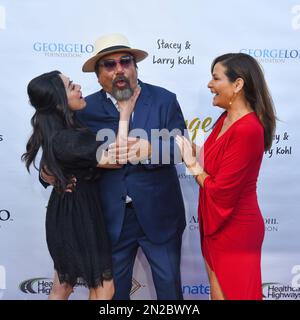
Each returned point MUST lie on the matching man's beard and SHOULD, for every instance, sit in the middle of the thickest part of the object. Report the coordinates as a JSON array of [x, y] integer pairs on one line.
[[124, 93]]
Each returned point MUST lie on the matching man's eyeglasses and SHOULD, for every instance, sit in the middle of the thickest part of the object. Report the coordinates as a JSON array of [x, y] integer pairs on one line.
[[111, 64]]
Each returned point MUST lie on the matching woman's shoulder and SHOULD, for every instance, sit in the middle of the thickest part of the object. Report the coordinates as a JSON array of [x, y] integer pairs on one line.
[[72, 136], [247, 131], [72, 132], [249, 125], [75, 145]]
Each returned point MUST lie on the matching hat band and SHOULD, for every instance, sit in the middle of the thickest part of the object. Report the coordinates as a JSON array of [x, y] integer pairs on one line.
[[113, 48]]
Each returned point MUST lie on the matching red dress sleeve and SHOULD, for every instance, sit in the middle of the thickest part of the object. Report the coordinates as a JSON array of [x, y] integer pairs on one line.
[[221, 190]]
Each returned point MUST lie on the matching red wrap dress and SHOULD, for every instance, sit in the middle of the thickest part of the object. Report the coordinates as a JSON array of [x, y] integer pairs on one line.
[[231, 224]]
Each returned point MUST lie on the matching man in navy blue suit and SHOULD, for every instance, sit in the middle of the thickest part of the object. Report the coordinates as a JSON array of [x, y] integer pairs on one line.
[[142, 202]]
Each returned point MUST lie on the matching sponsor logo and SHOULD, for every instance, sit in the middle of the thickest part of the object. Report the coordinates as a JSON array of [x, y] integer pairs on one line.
[[199, 289], [193, 223], [42, 285], [135, 286], [2, 18], [296, 279], [198, 128], [279, 291], [273, 55], [186, 175], [1, 137], [60, 49], [36, 285], [5, 216], [296, 17], [271, 224]]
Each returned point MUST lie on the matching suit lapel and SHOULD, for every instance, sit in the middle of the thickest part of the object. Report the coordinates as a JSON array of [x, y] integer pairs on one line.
[[108, 106]]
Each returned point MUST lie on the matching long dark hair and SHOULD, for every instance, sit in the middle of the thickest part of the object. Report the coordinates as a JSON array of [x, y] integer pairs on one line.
[[241, 65], [47, 94]]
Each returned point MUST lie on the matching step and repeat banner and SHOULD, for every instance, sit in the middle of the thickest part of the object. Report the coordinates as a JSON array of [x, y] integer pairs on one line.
[[182, 38]]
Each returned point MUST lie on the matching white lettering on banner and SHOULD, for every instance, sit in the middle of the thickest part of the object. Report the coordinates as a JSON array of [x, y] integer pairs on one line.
[[2, 18], [2, 278], [296, 19], [296, 278]]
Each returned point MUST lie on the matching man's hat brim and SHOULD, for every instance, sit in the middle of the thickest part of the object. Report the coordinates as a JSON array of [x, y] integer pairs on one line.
[[89, 65]]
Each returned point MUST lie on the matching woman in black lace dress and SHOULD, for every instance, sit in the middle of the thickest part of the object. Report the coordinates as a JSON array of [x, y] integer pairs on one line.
[[75, 228]]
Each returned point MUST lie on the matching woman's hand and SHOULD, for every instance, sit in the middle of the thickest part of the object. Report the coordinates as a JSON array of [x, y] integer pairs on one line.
[[187, 151], [127, 106], [50, 179], [108, 161]]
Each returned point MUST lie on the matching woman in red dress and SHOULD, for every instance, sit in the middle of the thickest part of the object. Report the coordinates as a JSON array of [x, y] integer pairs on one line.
[[231, 224]]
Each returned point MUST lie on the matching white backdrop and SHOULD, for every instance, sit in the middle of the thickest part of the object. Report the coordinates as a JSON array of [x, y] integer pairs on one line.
[[39, 36]]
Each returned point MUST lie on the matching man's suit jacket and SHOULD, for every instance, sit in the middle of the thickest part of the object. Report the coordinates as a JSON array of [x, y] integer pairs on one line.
[[154, 188]]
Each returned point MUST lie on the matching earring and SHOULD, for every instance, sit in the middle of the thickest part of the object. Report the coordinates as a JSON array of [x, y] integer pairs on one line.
[[232, 99]]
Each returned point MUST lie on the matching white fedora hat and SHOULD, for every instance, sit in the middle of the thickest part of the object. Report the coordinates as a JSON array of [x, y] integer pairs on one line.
[[110, 44]]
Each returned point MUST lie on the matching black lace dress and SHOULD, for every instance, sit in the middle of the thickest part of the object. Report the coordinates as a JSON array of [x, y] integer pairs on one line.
[[75, 228]]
